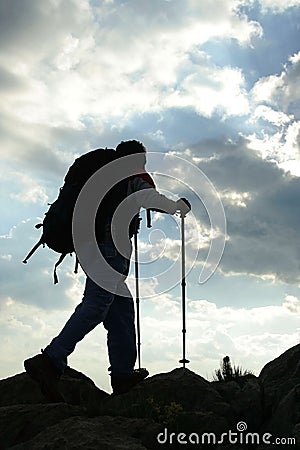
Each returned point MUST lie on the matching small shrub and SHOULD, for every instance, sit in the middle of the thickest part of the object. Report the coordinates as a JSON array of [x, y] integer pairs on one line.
[[229, 373]]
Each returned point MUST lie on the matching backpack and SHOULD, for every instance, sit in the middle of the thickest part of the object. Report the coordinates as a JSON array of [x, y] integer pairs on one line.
[[57, 224]]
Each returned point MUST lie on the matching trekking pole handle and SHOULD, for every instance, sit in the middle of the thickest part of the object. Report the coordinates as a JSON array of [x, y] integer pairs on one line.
[[184, 206]]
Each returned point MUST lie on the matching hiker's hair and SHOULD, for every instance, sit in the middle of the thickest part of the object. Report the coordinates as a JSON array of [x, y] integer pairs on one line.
[[126, 148]]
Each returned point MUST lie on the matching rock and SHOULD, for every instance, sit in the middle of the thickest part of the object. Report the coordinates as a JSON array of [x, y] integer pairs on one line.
[[19, 389], [176, 402], [76, 388], [103, 433], [286, 415], [278, 377], [296, 432], [182, 386], [178, 399], [280, 380], [244, 398], [19, 423]]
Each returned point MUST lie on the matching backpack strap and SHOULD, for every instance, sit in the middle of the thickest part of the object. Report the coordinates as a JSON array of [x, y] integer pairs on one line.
[[149, 224], [147, 177], [37, 245], [59, 261], [76, 264]]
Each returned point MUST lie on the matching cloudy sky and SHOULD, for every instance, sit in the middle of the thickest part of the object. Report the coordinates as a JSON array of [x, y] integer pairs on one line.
[[213, 82]]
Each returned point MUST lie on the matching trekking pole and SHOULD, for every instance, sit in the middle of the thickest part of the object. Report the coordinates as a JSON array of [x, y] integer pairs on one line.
[[183, 361], [137, 294]]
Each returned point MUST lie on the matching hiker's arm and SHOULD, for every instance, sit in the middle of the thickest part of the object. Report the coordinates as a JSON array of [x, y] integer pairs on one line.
[[150, 198]]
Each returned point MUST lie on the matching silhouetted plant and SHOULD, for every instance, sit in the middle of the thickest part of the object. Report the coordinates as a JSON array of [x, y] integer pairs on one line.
[[164, 413], [229, 373]]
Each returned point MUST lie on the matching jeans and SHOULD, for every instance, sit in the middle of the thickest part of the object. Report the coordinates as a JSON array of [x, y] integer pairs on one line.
[[116, 312]]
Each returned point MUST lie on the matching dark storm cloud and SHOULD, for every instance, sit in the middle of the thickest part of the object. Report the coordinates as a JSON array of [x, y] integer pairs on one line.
[[236, 167], [264, 235]]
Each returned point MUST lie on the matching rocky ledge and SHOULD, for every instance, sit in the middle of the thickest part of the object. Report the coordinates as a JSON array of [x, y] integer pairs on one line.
[[176, 410]]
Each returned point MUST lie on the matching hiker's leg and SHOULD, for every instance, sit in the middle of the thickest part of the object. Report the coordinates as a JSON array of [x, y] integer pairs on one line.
[[121, 339], [90, 312], [87, 315]]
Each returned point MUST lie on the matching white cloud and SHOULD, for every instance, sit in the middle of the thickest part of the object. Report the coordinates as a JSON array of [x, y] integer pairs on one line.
[[30, 191], [295, 58], [264, 89], [252, 334], [26, 329], [292, 303], [278, 118], [210, 89], [251, 337], [107, 71], [281, 146], [281, 91], [147, 286], [238, 199], [278, 6], [277, 103]]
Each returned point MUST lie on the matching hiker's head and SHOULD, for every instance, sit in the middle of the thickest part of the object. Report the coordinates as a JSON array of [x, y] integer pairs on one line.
[[126, 148]]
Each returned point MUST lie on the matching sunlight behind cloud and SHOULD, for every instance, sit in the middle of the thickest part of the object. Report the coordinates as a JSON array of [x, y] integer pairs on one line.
[[139, 83], [210, 89], [238, 199]]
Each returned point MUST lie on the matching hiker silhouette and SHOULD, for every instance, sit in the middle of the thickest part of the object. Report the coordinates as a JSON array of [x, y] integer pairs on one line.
[[114, 307]]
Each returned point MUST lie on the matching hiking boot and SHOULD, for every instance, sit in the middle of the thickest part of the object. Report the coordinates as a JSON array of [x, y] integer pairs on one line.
[[120, 385], [44, 373]]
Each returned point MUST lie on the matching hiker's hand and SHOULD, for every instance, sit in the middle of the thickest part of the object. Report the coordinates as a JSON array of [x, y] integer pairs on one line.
[[184, 206]]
